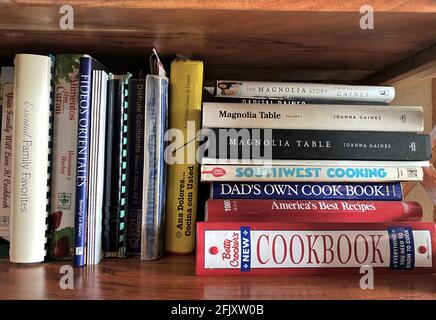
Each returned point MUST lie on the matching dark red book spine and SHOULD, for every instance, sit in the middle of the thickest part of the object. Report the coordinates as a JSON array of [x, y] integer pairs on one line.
[[311, 211]]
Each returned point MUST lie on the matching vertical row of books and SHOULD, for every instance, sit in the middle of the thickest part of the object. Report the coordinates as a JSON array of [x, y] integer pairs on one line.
[[82, 168], [304, 178], [307, 179]]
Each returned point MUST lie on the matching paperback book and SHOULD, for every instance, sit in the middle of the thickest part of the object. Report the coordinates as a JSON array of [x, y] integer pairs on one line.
[[32, 157], [63, 188], [306, 174], [89, 99], [6, 147], [154, 194], [135, 164], [186, 84], [115, 181]]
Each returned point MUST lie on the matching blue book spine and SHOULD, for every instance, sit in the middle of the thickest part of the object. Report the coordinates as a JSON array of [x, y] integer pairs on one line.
[[154, 168], [82, 160], [308, 191]]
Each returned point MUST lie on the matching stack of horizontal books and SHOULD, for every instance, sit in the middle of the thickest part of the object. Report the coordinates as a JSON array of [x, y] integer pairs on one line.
[[306, 178]]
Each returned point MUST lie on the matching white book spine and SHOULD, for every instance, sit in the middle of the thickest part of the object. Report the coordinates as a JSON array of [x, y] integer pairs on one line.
[[306, 174], [230, 88], [6, 159], [323, 163], [30, 154], [101, 143], [313, 117]]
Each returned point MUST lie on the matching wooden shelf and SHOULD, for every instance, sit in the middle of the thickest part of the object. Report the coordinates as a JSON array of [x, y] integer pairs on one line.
[[314, 40], [282, 40], [173, 278], [261, 5]]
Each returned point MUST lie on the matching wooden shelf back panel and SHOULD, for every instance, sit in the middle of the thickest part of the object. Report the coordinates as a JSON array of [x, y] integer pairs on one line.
[[279, 45]]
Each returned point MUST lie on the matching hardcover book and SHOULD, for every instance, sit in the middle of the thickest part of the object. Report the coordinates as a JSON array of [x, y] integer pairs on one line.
[[63, 188], [31, 157], [280, 144], [313, 117], [307, 191], [304, 174], [230, 88], [253, 248], [135, 164], [115, 181], [311, 211], [186, 84], [153, 214]]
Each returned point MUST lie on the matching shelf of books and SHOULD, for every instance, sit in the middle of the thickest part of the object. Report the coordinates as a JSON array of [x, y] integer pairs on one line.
[[130, 169]]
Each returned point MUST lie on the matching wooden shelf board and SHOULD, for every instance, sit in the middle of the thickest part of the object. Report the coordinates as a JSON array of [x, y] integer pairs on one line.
[[173, 278], [262, 5], [286, 44]]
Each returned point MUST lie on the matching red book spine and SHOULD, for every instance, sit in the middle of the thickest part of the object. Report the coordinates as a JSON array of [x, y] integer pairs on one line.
[[311, 211], [251, 248]]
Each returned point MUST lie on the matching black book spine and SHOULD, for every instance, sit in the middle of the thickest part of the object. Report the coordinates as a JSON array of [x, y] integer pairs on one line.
[[112, 194], [135, 165], [318, 145]]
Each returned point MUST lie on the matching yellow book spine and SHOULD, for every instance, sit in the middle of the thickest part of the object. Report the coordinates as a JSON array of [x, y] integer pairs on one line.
[[186, 85]]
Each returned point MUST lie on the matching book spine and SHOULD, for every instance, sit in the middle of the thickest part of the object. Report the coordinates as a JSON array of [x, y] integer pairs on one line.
[[308, 191], [63, 192], [6, 158], [304, 174], [311, 211], [313, 117], [154, 168], [83, 137], [309, 162], [135, 164], [257, 100], [116, 168], [250, 248], [279, 144], [288, 90], [96, 171], [108, 238], [186, 83], [31, 170]]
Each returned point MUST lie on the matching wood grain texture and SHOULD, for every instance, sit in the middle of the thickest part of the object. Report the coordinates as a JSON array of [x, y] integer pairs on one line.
[[263, 5], [291, 44], [418, 67], [173, 278]]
